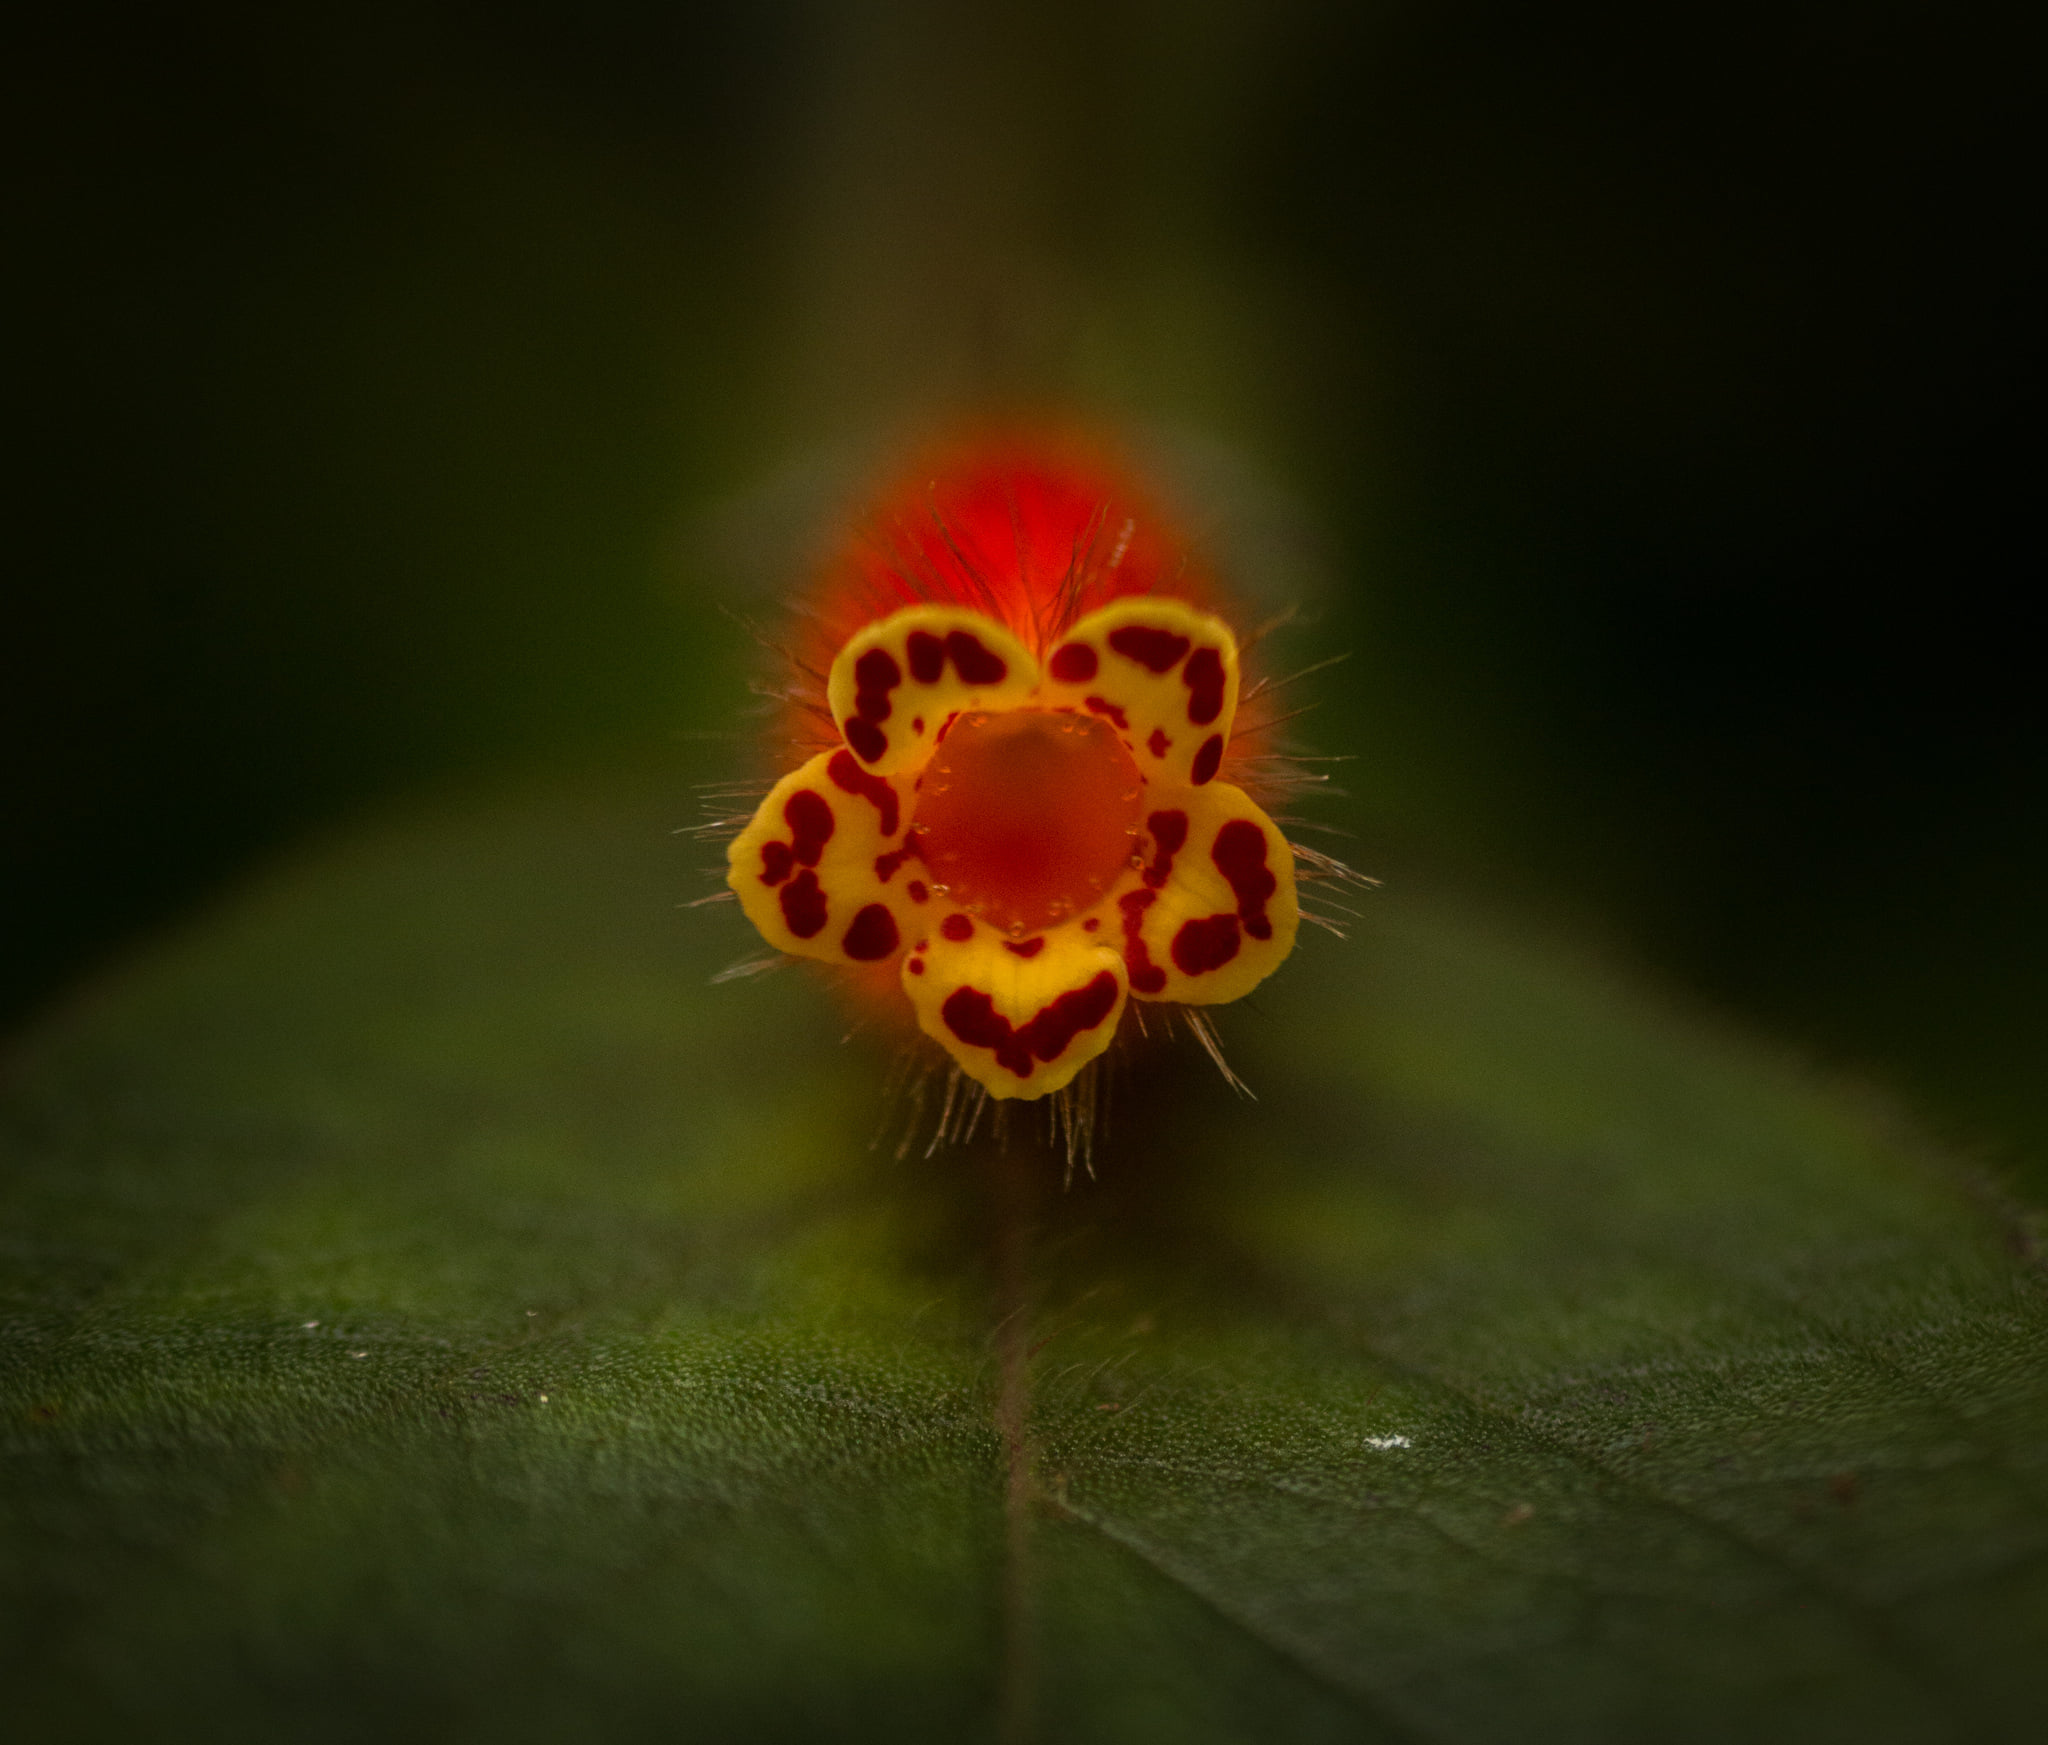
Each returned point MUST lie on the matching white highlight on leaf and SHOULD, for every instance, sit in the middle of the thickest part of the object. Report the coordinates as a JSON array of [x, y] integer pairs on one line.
[[1388, 1442]]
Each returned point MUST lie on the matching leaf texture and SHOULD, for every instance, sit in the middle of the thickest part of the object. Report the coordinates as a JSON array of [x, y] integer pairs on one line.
[[430, 1309]]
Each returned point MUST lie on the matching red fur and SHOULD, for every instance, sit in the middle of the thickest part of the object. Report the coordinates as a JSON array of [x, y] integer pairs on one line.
[[1035, 526]]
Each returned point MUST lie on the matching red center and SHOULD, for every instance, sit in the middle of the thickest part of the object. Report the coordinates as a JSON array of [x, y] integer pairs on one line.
[[1028, 816]]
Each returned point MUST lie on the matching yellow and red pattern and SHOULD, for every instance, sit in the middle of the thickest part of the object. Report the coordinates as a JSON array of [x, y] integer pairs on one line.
[[1024, 809]]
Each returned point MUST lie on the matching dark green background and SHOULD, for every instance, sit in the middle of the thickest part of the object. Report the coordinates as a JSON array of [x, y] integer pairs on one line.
[[1661, 380]]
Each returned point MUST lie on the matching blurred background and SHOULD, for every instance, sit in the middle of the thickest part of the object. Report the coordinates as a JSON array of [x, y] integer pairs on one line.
[[1659, 384]]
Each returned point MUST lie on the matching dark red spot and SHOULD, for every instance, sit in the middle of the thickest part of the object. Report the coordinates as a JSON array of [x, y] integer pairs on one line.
[[875, 675], [1090, 925], [927, 657], [850, 778], [1169, 833], [1155, 650], [1030, 947], [1203, 945], [1108, 711], [810, 821], [1073, 663], [957, 928], [917, 966], [975, 663], [810, 825], [803, 905], [972, 1016], [886, 865], [872, 936], [1204, 767], [918, 892], [1203, 677], [917, 724], [1146, 976], [1240, 856], [867, 739], [1158, 742], [1078, 1009]]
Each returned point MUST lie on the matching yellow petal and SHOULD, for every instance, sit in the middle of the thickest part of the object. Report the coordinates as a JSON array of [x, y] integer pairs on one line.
[[896, 684], [1212, 912], [1022, 1017], [823, 869], [1162, 674]]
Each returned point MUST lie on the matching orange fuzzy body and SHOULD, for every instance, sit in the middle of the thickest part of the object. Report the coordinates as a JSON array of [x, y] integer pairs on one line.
[[1035, 527], [1086, 840]]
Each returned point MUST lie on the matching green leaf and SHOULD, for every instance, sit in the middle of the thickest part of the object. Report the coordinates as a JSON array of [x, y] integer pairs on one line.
[[431, 1310]]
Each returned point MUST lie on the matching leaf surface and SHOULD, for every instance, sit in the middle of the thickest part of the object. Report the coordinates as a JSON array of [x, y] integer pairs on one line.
[[431, 1308]]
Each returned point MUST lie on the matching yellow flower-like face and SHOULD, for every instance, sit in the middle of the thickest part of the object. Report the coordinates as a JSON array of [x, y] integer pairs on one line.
[[1032, 844]]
